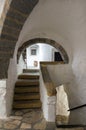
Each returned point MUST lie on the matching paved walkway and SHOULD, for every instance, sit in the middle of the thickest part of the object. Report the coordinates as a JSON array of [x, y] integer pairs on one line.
[[26, 119]]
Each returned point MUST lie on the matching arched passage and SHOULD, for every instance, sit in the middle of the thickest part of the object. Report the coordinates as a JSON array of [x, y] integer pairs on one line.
[[46, 41]]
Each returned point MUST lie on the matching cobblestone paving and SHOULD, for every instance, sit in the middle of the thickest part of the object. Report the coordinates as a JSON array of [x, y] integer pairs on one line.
[[26, 119]]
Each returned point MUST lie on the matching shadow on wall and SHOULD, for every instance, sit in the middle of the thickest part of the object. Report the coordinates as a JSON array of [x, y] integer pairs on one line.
[[62, 106]]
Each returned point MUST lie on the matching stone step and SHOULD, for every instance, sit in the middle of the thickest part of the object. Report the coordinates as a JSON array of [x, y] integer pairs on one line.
[[26, 96], [74, 128], [30, 70], [27, 104], [26, 92], [27, 82], [26, 89], [28, 76]]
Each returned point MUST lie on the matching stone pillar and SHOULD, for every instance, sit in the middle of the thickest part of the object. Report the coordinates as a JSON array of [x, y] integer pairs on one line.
[[51, 104]]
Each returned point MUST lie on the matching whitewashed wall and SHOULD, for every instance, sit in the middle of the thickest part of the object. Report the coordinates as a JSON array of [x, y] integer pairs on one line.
[[10, 84], [79, 67], [48, 102], [7, 90], [66, 24], [63, 74], [21, 65]]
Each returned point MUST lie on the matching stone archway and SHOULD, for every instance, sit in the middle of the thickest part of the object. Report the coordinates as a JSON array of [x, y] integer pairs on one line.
[[13, 17], [46, 41]]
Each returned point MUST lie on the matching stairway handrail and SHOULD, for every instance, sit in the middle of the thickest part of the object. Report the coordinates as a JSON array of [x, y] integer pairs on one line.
[[48, 82], [77, 107]]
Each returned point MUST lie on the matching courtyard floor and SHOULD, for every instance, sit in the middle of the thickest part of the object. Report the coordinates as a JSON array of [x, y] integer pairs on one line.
[[26, 119]]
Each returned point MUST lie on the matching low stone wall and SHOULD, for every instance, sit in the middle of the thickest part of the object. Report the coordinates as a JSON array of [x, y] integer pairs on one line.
[[48, 92], [48, 103], [50, 87]]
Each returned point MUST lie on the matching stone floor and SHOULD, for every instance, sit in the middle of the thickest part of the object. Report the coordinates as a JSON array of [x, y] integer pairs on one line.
[[26, 119]]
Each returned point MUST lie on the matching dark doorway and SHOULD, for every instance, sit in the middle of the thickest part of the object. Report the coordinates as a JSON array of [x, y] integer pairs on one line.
[[57, 56]]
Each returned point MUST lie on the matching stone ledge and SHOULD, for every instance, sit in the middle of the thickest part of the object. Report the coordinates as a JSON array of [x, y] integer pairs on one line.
[[51, 91], [51, 63]]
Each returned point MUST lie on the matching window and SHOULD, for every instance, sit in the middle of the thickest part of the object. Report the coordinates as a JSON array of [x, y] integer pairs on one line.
[[57, 56], [33, 51]]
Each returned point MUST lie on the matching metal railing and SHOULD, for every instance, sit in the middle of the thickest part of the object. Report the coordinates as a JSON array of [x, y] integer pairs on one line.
[[77, 107]]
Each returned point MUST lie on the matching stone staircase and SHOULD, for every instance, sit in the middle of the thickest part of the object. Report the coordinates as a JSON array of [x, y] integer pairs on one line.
[[26, 92]]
